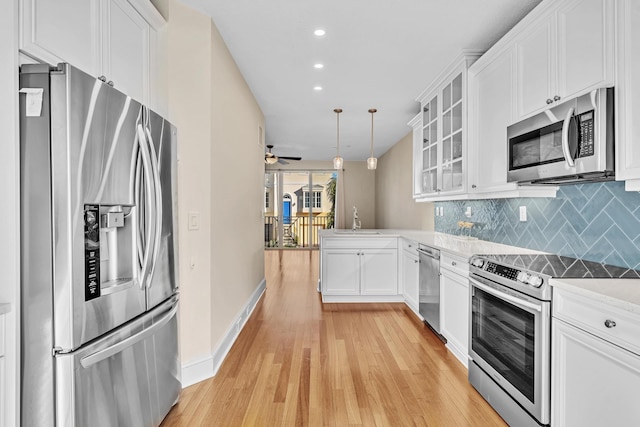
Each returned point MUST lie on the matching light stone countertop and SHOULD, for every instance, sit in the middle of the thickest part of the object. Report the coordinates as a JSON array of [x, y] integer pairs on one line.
[[621, 293], [5, 307], [455, 245]]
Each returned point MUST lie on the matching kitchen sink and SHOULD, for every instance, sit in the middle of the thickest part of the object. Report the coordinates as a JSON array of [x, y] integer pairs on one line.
[[351, 232]]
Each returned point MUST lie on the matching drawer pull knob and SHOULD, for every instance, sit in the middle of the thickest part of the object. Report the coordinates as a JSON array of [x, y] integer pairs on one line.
[[609, 323], [453, 263]]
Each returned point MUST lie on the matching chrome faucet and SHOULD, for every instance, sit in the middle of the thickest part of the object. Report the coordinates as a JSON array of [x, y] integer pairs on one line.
[[356, 222]]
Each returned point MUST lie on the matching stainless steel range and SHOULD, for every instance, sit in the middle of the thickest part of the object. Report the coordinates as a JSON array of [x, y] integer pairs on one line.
[[510, 339]]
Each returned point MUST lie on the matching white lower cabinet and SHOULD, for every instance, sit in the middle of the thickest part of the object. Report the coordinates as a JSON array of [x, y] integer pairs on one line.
[[595, 379], [3, 385], [379, 272], [454, 305], [359, 269], [409, 276], [341, 272], [627, 95]]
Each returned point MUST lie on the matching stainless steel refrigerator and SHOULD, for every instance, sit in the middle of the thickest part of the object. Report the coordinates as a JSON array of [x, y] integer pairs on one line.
[[99, 289]]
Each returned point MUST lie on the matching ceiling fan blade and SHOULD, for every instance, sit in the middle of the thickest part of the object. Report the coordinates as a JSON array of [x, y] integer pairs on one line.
[[282, 162], [290, 158]]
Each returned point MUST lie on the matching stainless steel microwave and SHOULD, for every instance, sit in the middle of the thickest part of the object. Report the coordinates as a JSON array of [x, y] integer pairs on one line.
[[569, 143]]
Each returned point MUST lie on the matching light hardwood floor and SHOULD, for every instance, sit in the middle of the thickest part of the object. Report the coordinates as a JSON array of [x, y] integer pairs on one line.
[[299, 362]]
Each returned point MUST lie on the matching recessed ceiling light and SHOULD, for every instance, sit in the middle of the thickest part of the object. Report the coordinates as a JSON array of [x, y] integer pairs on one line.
[[317, 88], [319, 32], [318, 66]]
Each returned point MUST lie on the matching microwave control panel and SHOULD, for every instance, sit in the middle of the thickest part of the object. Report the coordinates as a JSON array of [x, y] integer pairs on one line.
[[585, 134]]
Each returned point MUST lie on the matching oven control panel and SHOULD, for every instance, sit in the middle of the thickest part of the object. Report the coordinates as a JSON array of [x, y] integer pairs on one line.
[[501, 270], [509, 273]]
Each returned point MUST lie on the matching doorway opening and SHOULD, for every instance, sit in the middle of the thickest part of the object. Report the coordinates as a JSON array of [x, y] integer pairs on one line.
[[306, 206]]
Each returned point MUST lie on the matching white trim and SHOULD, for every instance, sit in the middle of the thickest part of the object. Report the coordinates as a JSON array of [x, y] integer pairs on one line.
[[207, 366], [197, 370], [149, 12], [361, 298]]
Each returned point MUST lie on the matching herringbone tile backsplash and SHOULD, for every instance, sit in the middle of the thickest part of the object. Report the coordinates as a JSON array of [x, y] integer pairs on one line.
[[597, 222]]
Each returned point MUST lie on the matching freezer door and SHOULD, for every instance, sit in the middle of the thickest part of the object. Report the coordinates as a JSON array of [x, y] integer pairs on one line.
[[163, 273], [94, 152], [131, 377]]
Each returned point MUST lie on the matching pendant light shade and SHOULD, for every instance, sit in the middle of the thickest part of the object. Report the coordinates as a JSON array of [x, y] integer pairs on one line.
[[337, 160], [372, 162]]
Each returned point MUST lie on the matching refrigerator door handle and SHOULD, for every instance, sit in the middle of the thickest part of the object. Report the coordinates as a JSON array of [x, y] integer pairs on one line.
[[146, 166], [101, 355], [158, 204]]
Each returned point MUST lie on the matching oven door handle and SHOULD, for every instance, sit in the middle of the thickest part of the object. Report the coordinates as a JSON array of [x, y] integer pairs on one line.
[[506, 297]]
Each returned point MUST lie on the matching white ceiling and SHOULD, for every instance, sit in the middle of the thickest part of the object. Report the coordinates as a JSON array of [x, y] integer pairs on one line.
[[376, 54]]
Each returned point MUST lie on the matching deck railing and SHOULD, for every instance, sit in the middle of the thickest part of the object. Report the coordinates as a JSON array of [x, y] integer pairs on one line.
[[295, 230]]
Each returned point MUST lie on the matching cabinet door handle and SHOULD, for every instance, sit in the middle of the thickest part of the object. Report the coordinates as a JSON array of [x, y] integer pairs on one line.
[[473, 186], [415, 261], [609, 323], [556, 98], [549, 101]]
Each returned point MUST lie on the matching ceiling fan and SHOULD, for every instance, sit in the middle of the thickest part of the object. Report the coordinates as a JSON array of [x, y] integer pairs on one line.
[[270, 158]]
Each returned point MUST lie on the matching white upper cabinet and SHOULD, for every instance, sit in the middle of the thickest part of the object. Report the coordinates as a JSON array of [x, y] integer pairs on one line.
[[536, 62], [110, 38], [126, 48], [565, 52], [585, 42], [59, 31], [628, 94], [439, 138], [490, 112]]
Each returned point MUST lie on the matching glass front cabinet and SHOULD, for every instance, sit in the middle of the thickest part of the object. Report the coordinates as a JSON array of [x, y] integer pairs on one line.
[[439, 134]]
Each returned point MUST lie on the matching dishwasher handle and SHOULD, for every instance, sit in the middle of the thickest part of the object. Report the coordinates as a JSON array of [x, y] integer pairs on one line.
[[431, 253]]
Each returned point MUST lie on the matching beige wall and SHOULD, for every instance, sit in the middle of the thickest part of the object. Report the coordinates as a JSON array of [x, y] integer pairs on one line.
[[359, 187], [394, 205], [217, 117], [237, 168]]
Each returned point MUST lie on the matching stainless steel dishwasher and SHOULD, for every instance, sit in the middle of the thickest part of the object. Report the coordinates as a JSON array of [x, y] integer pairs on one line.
[[429, 295]]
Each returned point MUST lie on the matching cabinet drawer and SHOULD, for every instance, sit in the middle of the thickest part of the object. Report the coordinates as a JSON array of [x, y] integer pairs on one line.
[[409, 245], [454, 263], [360, 242], [591, 315]]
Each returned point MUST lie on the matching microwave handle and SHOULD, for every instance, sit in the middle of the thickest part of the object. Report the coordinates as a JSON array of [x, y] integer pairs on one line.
[[565, 138]]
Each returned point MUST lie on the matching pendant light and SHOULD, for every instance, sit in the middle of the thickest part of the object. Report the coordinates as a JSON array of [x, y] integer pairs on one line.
[[337, 160], [372, 162]]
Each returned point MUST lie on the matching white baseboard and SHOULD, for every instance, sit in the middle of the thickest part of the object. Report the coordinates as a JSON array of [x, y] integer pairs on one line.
[[361, 298], [458, 351], [206, 367]]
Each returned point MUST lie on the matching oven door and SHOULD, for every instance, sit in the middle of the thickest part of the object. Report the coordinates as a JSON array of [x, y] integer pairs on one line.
[[510, 340]]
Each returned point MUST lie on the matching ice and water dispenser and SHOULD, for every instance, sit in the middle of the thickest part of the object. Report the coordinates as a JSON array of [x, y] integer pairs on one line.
[[110, 248]]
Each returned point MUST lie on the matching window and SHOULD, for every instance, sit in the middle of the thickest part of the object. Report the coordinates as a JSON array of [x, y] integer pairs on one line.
[[317, 199]]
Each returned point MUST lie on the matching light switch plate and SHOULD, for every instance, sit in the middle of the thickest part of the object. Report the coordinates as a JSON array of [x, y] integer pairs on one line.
[[523, 213], [194, 220]]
